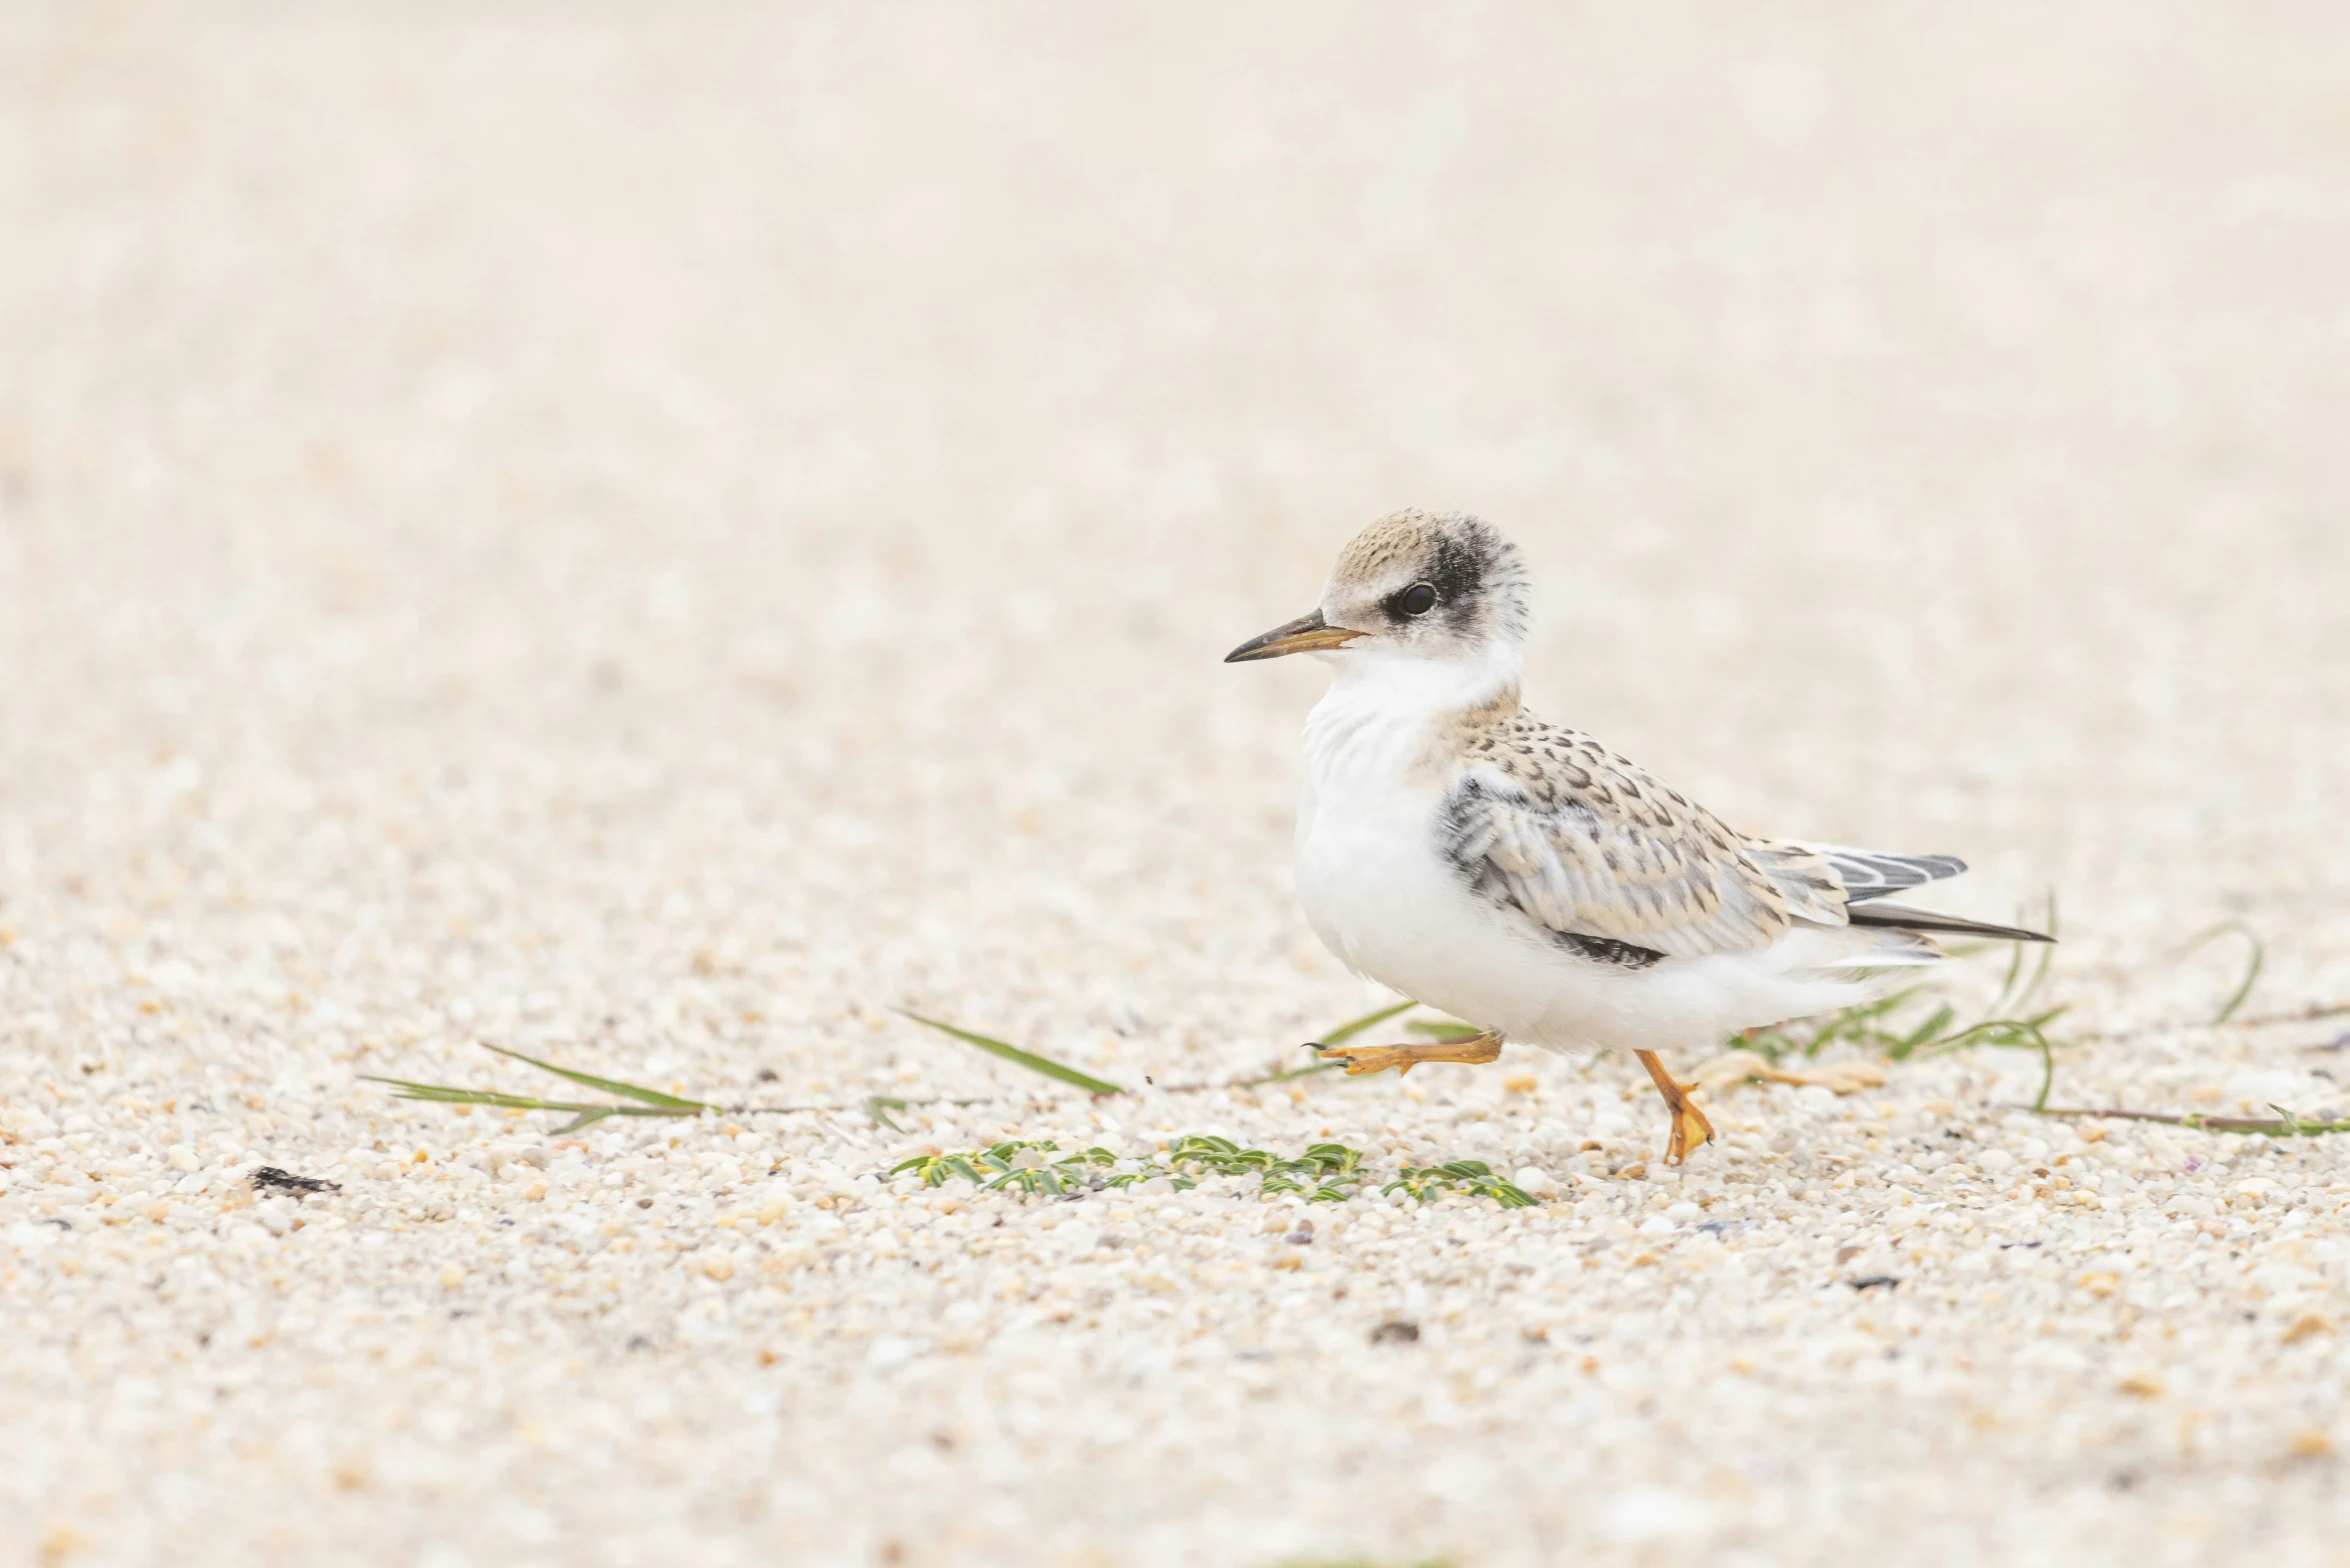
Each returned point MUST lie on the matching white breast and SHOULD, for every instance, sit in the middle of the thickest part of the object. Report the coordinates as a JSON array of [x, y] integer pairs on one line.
[[1379, 890]]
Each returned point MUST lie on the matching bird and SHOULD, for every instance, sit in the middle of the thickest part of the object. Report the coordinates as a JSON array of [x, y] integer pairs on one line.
[[1529, 881]]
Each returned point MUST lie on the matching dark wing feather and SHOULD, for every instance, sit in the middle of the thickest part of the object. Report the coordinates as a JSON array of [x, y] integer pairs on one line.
[[1902, 917], [1869, 873]]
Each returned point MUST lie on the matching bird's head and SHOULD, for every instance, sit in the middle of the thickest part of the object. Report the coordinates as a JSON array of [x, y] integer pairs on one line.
[[1414, 586]]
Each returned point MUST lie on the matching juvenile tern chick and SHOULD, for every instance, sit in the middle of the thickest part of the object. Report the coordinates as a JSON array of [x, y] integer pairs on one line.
[[1518, 874]]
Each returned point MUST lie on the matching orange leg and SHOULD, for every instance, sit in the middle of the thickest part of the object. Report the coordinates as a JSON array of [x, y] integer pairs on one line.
[[1690, 1128], [1403, 1058]]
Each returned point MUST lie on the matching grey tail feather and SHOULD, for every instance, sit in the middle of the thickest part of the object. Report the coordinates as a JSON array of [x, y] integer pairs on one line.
[[1870, 873], [1876, 912]]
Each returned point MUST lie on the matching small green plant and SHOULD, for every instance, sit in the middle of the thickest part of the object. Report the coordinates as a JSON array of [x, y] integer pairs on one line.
[[1332, 1168], [1014, 1166], [1871, 1026], [1864, 1024], [1889, 1027], [1149, 1172], [1325, 1173], [2028, 1034], [1473, 1177]]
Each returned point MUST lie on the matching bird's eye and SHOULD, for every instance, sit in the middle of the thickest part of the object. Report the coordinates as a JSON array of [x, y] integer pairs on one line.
[[1418, 599]]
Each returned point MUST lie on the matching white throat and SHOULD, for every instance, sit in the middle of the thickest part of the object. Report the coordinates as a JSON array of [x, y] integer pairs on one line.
[[1383, 710], [1428, 687]]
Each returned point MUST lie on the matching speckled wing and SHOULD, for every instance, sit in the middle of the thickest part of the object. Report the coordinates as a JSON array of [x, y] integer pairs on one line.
[[1604, 855]]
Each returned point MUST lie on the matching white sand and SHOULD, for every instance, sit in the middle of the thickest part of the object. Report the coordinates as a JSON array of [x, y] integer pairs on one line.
[[658, 543]]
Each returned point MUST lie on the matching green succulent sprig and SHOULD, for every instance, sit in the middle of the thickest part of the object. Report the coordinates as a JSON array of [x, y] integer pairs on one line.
[[1001, 1167], [1325, 1173], [1473, 1177]]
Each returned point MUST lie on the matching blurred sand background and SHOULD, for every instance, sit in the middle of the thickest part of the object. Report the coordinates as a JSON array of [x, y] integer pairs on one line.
[[662, 537]]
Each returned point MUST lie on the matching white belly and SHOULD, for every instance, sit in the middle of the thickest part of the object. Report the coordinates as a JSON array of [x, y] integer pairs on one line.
[[1379, 890], [1375, 885], [1379, 894]]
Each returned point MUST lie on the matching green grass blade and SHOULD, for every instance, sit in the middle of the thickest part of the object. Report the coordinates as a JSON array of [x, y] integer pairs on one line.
[[2021, 986], [1931, 1029], [1355, 1026], [1013, 1054], [2046, 959], [609, 1085], [450, 1094], [2258, 960], [1283, 1075], [2015, 972]]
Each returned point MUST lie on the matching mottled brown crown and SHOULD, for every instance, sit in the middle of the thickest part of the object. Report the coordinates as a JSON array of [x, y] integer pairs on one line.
[[1479, 576]]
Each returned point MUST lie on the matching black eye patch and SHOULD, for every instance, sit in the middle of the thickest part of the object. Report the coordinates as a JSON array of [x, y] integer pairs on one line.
[[1416, 600]]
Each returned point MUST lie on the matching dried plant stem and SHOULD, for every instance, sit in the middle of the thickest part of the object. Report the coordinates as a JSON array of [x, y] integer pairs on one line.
[[2309, 1014], [2284, 1124]]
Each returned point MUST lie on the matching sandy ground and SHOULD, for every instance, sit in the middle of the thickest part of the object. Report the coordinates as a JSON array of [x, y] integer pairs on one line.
[[657, 542]]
